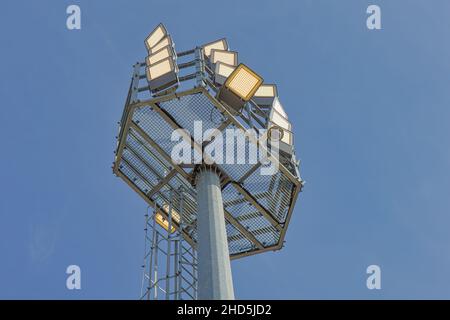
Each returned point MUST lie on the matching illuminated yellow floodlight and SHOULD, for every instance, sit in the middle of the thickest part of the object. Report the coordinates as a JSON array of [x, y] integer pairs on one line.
[[162, 54], [228, 57], [175, 215], [218, 44], [222, 72], [239, 87], [163, 222], [155, 36], [243, 82]]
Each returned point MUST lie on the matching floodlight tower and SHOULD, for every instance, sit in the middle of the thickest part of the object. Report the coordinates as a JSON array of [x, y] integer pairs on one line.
[[221, 210]]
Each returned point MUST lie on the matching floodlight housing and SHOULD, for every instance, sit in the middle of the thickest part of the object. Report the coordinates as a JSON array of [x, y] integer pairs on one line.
[[166, 41], [162, 74], [278, 121], [239, 87], [265, 95], [222, 71], [175, 215], [225, 56], [159, 55], [220, 44], [163, 222], [155, 36], [278, 107]]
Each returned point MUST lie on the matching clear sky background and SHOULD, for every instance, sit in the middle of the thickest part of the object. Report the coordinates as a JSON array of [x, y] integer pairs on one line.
[[370, 111]]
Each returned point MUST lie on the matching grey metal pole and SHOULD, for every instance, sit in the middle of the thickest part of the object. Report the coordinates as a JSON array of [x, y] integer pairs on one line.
[[214, 269]]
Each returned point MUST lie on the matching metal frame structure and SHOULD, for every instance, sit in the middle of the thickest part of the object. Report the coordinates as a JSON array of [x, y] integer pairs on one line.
[[170, 263], [257, 208]]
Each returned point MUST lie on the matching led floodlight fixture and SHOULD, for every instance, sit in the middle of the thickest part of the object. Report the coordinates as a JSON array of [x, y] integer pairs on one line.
[[166, 41], [162, 74], [228, 57], [265, 95], [155, 36], [159, 55], [278, 120], [222, 72], [218, 44], [239, 87], [163, 222]]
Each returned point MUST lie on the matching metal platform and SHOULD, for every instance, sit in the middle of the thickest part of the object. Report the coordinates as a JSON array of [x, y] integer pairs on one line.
[[257, 207]]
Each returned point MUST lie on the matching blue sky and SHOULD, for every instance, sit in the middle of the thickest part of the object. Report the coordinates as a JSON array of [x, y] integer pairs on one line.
[[370, 111]]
